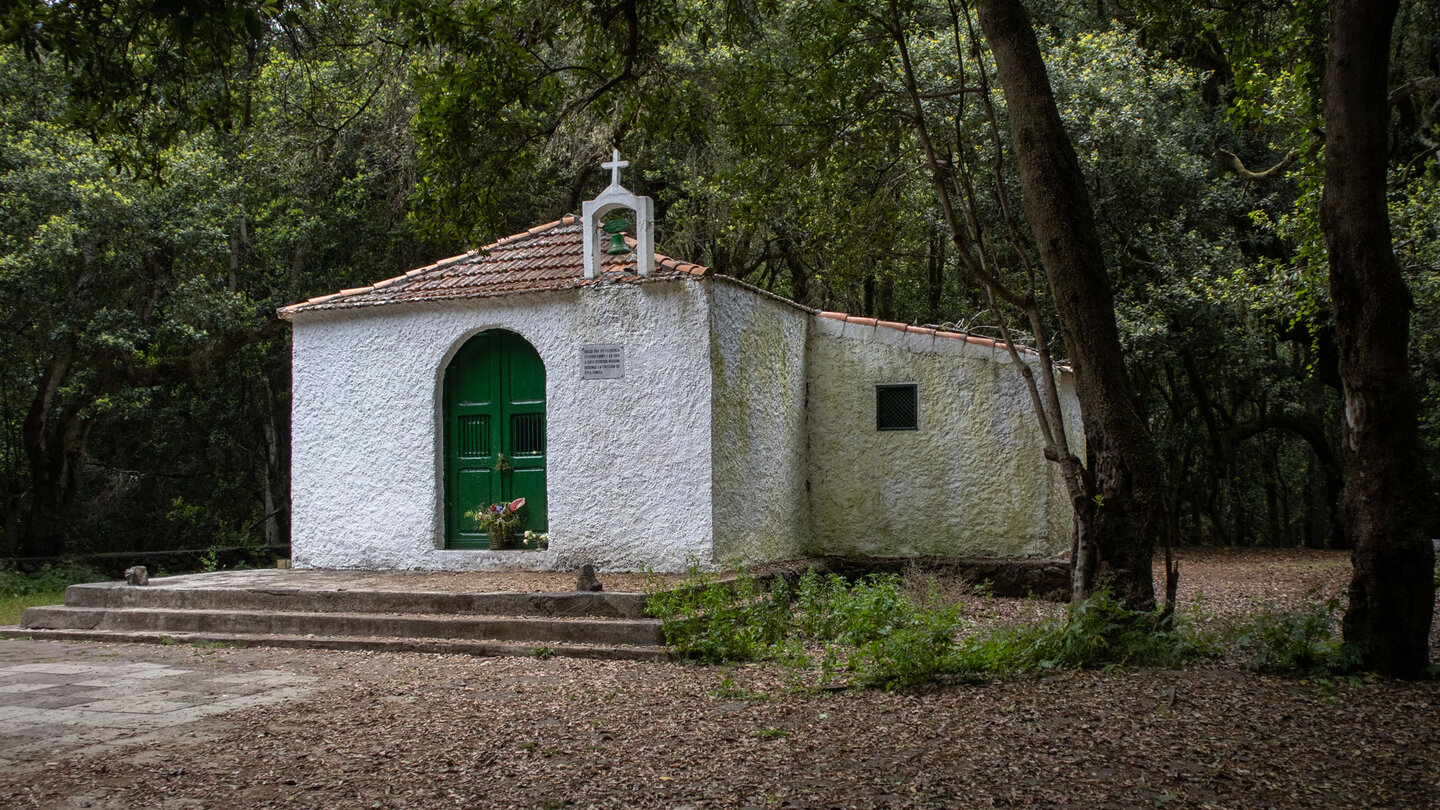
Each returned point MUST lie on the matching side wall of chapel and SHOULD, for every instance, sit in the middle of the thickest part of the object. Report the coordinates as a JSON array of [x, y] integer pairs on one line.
[[970, 481]]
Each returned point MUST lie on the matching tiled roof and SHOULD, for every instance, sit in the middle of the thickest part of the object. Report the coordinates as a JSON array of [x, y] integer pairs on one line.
[[975, 340], [546, 257], [551, 257]]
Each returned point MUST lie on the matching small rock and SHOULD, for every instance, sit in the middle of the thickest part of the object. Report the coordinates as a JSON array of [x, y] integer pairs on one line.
[[137, 575], [587, 580]]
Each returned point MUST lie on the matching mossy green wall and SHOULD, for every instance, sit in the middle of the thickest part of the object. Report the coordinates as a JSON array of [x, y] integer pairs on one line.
[[758, 433], [972, 481]]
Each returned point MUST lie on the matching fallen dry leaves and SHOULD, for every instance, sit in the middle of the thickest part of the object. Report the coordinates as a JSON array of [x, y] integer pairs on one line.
[[442, 731]]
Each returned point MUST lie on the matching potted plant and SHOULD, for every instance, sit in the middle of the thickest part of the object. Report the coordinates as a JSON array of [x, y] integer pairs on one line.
[[500, 521]]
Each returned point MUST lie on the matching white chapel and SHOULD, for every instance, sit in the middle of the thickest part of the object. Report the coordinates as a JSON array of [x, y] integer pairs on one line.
[[651, 414]]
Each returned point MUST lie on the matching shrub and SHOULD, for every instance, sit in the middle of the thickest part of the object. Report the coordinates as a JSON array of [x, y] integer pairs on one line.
[[894, 640], [868, 629], [871, 634], [1099, 633], [717, 622], [1299, 642], [44, 587], [51, 578]]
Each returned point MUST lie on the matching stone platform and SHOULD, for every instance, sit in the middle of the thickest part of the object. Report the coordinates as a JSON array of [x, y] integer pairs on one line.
[[398, 611]]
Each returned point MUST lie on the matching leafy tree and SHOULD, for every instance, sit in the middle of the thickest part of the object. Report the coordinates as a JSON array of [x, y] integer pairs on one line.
[[113, 284], [148, 291]]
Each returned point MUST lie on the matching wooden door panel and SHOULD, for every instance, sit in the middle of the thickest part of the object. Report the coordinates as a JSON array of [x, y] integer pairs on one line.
[[494, 401]]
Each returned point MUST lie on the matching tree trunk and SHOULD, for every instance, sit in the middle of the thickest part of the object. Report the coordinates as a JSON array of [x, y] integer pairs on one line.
[[275, 475], [1386, 504], [935, 263], [1129, 511], [54, 448]]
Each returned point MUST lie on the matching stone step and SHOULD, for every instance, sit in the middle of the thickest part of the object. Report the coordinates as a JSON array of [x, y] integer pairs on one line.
[[611, 652], [636, 632], [601, 604]]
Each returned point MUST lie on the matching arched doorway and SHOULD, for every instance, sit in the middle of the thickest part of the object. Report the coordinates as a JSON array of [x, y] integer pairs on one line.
[[494, 431]]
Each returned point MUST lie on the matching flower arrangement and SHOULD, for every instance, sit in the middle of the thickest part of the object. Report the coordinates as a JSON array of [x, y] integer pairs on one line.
[[540, 540], [500, 520]]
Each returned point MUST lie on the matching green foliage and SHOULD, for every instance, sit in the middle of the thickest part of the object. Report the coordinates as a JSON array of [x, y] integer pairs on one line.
[[867, 630], [871, 635], [210, 560], [117, 278], [891, 640], [719, 622], [1302, 642], [1099, 633], [43, 587], [48, 579], [307, 147]]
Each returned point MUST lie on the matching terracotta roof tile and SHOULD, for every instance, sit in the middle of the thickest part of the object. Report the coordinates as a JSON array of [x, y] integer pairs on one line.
[[551, 257], [975, 340], [546, 257]]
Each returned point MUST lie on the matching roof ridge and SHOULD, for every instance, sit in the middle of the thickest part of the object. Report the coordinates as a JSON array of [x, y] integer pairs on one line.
[[953, 334], [543, 257], [567, 219], [386, 282]]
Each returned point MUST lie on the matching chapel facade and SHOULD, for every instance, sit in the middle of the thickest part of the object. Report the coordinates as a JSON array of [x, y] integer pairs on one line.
[[649, 414]]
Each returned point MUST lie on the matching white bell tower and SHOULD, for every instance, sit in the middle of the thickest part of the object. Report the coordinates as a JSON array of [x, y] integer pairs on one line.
[[614, 197]]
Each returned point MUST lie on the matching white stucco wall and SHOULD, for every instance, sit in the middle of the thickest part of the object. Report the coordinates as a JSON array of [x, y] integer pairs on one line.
[[972, 481], [757, 360], [628, 475]]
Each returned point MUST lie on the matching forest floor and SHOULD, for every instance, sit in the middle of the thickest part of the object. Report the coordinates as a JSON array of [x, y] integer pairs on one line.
[[416, 730]]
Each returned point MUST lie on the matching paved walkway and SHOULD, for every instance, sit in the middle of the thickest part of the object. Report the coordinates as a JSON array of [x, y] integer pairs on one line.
[[59, 698]]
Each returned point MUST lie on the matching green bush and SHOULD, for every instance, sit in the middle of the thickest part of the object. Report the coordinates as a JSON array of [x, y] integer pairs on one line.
[[892, 640], [717, 622], [872, 635], [1299, 642], [44, 587], [1099, 633], [56, 577], [869, 631]]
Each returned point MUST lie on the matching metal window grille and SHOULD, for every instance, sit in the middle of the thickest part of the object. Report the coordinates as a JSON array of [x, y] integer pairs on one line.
[[896, 407], [527, 433], [474, 436]]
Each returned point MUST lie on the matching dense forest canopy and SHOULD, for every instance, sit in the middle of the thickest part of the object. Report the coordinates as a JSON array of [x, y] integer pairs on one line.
[[172, 172]]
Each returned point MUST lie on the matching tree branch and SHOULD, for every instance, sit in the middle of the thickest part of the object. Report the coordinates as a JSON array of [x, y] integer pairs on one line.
[[1231, 161], [1427, 84], [1303, 426], [123, 372]]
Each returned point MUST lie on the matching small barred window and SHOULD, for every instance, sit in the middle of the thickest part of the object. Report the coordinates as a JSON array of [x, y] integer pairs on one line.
[[896, 407]]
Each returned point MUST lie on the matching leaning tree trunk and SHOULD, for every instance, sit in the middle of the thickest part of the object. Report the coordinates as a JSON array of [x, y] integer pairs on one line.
[[1386, 502], [1128, 513]]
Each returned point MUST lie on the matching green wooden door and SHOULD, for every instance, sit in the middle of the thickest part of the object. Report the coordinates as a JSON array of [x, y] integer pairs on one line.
[[494, 402]]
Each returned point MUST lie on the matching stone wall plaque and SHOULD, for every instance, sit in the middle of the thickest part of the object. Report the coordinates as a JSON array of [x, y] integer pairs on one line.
[[602, 361]]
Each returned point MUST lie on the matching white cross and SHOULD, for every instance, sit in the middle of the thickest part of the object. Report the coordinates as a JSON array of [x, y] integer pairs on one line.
[[615, 165]]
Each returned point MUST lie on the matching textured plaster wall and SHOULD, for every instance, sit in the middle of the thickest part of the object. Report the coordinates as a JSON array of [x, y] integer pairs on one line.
[[972, 481], [757, 360], [628, 475]]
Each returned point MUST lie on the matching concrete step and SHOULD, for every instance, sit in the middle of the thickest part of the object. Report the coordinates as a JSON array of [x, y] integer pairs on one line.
[[636, 632], [425, 645], [241, 597]]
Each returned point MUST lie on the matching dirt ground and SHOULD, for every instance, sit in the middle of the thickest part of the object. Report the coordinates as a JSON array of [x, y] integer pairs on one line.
[[390, 730]]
